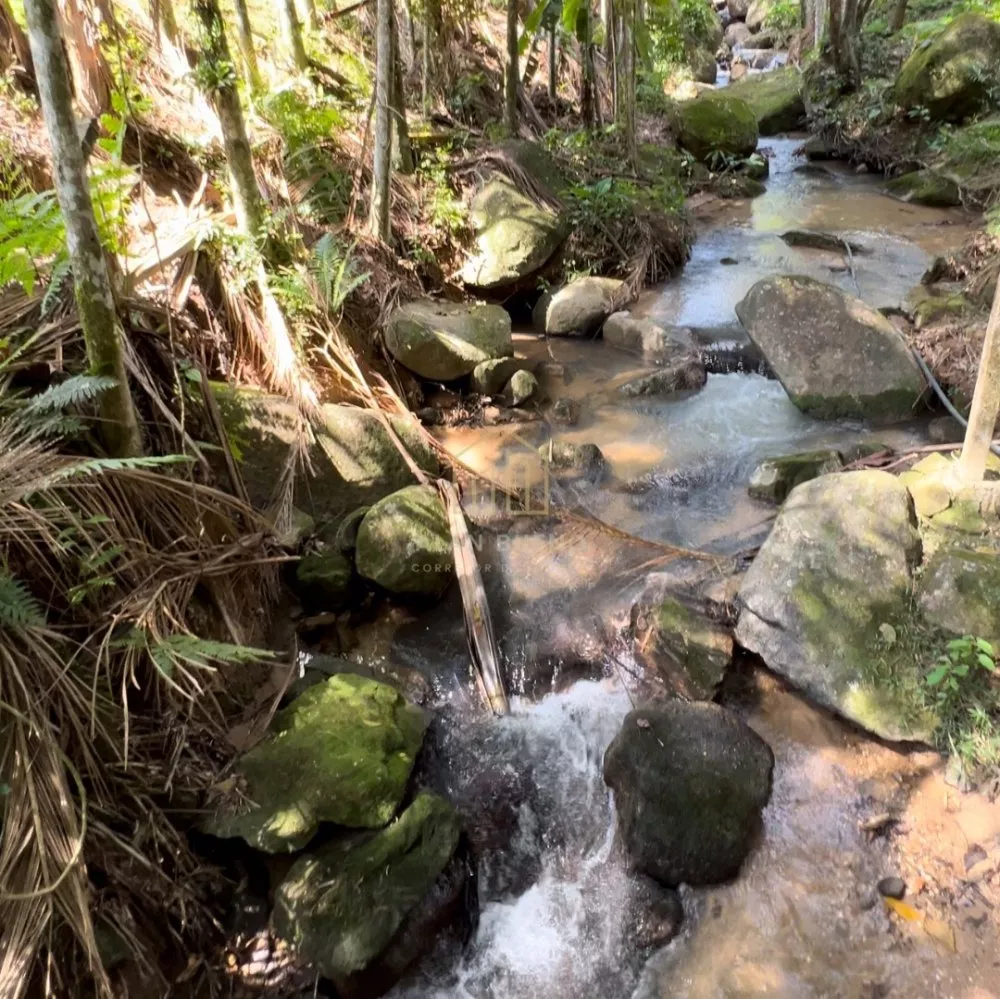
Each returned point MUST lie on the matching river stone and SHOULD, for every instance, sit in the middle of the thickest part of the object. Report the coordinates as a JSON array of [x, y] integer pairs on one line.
[[344, 905], [757, 14], [404, 543], [737, 34], [445, 340], [702, 64], [489, 377], [717, 123], [579, 308], [522, 386], [774, 478], [836, 566], [341, 752], [959, 592], [323, 580], [814, 239], [353, 459], [687, 650], [660, 343], [690, 781], [681, 376], [583, 459], [775, 99], [565, 412], [925, 187], [952, 74], [834, 355], [738, 9]]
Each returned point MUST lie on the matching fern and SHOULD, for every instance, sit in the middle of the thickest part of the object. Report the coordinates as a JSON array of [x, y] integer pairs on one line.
[[94, 466], [61, 270], [73, 392], [19, 610], [333, 267]]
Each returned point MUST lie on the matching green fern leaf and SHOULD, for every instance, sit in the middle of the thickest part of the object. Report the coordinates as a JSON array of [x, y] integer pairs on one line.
[[94, 466], [19, 610], [73, 392]]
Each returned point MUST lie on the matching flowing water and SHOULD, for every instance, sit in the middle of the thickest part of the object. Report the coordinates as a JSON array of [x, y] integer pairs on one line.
[[559, 917]]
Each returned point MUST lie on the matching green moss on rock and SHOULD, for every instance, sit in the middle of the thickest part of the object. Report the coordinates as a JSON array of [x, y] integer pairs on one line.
[[717, 124], [775, 99], [774, 478], [925, 187], [959, 592], [690, 652]]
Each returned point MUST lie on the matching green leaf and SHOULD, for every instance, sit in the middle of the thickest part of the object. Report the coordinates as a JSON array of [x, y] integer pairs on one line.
[[986, 662], [531, 23], [936, 676], [984, 646], [19, 610]]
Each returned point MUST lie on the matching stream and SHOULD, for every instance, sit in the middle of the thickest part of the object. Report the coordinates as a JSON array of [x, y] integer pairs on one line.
[[559, 914]]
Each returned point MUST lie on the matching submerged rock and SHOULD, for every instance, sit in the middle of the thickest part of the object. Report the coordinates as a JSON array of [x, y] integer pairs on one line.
[[323, 580], [775, 99], [578, 308], [834, 355], [681, 376], [690, 781], [659, 343], [357, 909], [952, 74], [582, 459], [959, 592], [774, 478], [404, 543], [489, 377], [925, 187], [445, 340], [816, 240], [836, 567], [717, 124], [341, 752], [565, 412]]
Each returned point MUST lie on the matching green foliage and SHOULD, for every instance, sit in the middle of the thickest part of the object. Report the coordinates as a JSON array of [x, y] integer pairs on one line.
[[335, 272], [170, 653], [977, 144], [783, 17], [675, 25], [19, 610], [445, 210]]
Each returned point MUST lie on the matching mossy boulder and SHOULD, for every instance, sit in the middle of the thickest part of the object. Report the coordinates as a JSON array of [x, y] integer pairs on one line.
[[323, 579], [774, 478], [959, 592], [690, 781], [341, 752], [835, 355], [702, 63], [718, 123], [404, 543], [952, 74], [837, 566], [489, 377], [578, 308], [517, 232], [446, 340], [643, 336], [360, 909], [354, 460], [925, 187], [522, 387], [775, 99]]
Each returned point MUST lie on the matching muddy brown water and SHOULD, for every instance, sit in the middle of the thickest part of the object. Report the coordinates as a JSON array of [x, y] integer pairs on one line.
[[802, 920]]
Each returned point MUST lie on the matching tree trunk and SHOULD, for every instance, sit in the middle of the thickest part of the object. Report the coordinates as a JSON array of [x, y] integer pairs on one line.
[[14, 49], [381, 155], [625, 75], [402, 151], [588, 74], [102, 333], [225, 98], [292, 30], [844, 29], [165, 21], [409, 37], [985, 402], [553, 62], [511, 72], [244, 39], [607, 14], [897, 18], [78, 25]]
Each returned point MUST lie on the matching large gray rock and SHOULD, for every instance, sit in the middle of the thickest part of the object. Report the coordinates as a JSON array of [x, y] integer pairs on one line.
[[837, 567], [690, 781], [834, 355], [757, 14], [354, 461], [489, 377], [445, 340], [953, 75], [737, 34], [578, 308], [642, 336], [717, 124], [404, 543], [774, 97], [362, 909], [774, 478], [738, 9], [959, 592], [680, 376], [342, 752]]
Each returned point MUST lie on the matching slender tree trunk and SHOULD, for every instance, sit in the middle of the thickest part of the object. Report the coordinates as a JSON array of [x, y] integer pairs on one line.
[[409, 37], [89, 70], [897, 17], [402, 151], [244, 40], [511, 71], [553, 62], [985, 402], [425, 68], [292, 30], [625, 71], [102, 331], [588, 73], [225, 98], [844, 28], [379, 220]]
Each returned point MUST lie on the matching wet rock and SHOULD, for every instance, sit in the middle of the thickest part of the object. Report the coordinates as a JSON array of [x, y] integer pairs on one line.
[[892, 888], [686, 650], [717, 123], [323, 580], [702, 64], [552, 377], [774, 478], [342, 535], [930, 308], [728, 261], [757, 14], [737, 185], [835, 568], [300, 526], [404, 543], [582, 459], [950, 74], [730, 356], [738, 11], [445, 340], [578, 308], [489, 377], [353, 457], [834, 355], [814, 240], [342, 752], [945, 430], [655, 913], [520, 388], [681, 376], [516, 235], [737, 34], [429, 416], [757, 167], [355, 909], [690, 781], [959, 592], [924, 187], [565, 412], [816, 148], [774, 97], [659, 343]]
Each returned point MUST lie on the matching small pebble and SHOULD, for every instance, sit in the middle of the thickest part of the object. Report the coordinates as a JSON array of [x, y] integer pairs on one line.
[[728, 261], [892, 888]]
